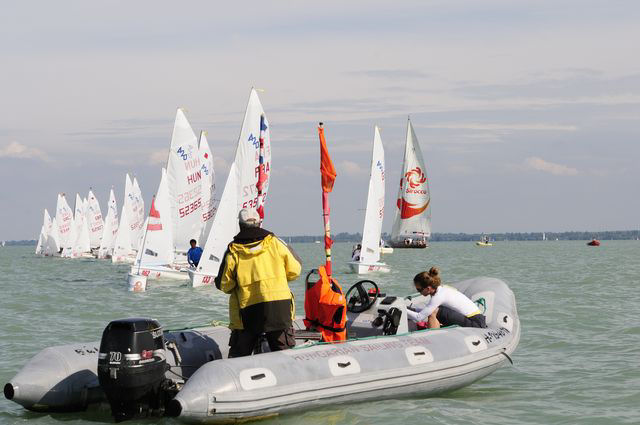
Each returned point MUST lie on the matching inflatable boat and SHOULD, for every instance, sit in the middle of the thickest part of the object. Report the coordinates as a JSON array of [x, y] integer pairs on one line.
[[142, 371]]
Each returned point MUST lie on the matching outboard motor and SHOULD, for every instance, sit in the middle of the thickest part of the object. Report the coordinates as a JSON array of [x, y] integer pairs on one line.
[[132, 366]]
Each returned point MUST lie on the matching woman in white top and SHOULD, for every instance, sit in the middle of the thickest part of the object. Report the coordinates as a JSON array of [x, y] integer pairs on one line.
[[447, 305]]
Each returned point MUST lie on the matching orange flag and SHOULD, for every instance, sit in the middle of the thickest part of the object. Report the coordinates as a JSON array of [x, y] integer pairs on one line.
[[327, 171]]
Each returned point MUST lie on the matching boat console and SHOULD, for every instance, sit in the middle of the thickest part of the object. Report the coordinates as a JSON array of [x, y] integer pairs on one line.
[[372, 313]]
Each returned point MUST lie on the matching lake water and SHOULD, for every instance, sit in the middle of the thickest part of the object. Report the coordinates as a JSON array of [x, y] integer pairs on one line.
[[578, 361]]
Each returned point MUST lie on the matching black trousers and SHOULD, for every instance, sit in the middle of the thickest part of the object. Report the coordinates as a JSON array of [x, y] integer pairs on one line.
[[243, 342], [448, 317]]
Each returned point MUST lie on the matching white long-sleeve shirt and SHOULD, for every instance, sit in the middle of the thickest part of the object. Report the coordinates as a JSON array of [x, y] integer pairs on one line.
[[449, 297]]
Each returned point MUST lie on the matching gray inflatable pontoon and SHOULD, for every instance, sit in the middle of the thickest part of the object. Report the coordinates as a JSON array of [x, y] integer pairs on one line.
[[385, 357]]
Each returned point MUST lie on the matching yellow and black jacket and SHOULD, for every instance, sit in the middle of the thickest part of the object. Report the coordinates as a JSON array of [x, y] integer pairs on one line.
[[255, 271]]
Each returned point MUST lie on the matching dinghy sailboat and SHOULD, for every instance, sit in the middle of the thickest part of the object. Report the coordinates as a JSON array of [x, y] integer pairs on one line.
[[123, 246], [412, 224], [245, 188], [369, 257], [64, 222], [179, 204], [94, 220], [209, 204], [155, 258], [110, 231]]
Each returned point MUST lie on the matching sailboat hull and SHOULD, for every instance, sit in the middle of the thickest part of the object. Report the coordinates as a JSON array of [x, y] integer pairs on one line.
[[161, 272], [386, 250], [200, 279], [364, 268], [412, 244]]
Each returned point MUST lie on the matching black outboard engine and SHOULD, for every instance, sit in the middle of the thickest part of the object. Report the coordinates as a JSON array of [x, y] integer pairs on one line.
[[132, 366]]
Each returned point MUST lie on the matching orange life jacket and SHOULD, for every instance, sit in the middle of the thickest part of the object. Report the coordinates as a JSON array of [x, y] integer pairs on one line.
[[326, 308]]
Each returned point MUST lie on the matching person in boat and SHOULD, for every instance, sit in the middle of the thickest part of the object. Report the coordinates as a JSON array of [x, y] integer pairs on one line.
[[447, 305], [194, 253], [355, 254], [255, 271]]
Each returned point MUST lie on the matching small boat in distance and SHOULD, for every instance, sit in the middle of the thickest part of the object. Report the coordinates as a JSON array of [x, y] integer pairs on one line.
[[484, 241], [594, 242]]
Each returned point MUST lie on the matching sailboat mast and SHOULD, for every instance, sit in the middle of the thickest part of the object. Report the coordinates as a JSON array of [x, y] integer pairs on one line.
[[262, 176]]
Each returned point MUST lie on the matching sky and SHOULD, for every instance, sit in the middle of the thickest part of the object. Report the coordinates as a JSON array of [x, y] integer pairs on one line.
[[527, 112]]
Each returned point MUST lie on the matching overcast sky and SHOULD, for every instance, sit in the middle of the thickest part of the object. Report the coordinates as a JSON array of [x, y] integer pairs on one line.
[[527, 112]]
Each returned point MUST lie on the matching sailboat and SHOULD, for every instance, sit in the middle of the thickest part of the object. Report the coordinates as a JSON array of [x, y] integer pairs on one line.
[[209, 204], [137, 213], [184, 179], [82, 245], [45, 231], [179, 204], [412, 224], [64, 222], [94, 220], [110, 231], [155, 257], [253, 152], [369, 257], [123, 248]]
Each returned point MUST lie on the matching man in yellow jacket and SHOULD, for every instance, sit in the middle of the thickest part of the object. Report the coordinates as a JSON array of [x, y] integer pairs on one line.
[[255, 271]]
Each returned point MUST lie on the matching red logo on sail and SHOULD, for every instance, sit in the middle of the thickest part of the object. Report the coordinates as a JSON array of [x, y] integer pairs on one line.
[[415, 178], [154, 217]]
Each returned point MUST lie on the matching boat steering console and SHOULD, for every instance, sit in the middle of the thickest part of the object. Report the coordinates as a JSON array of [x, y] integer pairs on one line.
[[371, 313]]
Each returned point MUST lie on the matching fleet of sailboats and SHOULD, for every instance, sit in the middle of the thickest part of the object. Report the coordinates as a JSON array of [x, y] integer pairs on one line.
[[185, 207]]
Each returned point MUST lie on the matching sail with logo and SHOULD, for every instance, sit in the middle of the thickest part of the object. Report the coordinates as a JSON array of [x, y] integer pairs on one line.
[[412, 224], [94, 220], [209, 203], [246, 187], [184, 178]]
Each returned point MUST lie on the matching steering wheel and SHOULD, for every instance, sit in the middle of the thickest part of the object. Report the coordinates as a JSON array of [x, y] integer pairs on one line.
[[361, 301]]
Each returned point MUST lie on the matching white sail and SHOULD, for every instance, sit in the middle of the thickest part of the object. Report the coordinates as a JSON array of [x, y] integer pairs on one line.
[[64, 220], [209, 204], [51, 246], [157, 244], [370, 252], [239, 188], [247, 157], [137, 222], [185, 183], [45, 229], [122, 245], [42, 240], [94, 220], [223, 229], [413, 214], [82, 243], [110, 228]]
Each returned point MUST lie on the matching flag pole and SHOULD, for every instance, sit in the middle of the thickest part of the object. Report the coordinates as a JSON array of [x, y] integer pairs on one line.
[[326, 210], [262, 176]]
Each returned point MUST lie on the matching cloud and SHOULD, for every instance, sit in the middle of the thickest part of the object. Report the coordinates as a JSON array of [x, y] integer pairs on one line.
[[392, 74], [501, 126], [349, 168], [539, 164], [158, 157], [18, 150]]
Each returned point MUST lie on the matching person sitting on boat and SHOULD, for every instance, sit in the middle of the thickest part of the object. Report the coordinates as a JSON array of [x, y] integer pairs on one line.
[[255, 271], [355, 254], [447, 305], [194, 253]]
